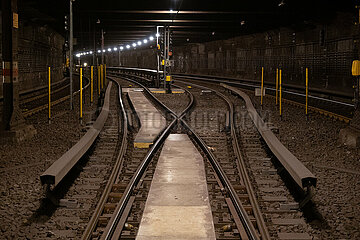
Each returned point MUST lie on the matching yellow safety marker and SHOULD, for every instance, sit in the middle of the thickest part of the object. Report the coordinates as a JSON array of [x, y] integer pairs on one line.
[[307, 90], [92, 84], [81, 94], [102, 75], [280, 94], [158, 91], [262, 85], [168, 78], [98, 67], [277, 85], [49, 94], [142, 145], [177, 91]]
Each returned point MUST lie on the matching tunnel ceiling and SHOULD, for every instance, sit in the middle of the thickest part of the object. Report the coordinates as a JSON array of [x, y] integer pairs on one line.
[[192, 21]]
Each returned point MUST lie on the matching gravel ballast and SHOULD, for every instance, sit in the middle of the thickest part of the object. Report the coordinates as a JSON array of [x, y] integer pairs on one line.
[[21, 165], [314, 141]]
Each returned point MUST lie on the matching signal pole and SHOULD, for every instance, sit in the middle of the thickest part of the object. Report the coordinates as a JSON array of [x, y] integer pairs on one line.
[[71, 42]]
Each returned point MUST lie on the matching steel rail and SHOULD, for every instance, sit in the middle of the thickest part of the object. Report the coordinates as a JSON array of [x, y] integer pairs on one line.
[[299, 173], [296, 103], [249, 228], [119, 159], [162, 105], [129, 191], [237, 81], [247, 83], [30, 99], [30, 91], [60, 100], [257, 212], [252, 84]]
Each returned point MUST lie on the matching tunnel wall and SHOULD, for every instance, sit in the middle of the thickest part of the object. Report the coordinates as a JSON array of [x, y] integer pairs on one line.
[[39, 48], [326, 49]]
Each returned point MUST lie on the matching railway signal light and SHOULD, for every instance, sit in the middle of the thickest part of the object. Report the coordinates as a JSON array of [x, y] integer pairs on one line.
[[66, 22]]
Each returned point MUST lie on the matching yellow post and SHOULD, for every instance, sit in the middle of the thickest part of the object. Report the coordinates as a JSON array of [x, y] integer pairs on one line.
[[307, 90], [277, 85], [262, 85], [81, 94], [98, 80], [49, 94], [280, 93], [92, 84], [102, 76]]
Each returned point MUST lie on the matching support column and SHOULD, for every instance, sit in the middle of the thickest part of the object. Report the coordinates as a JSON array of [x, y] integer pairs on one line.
[[13, 127]]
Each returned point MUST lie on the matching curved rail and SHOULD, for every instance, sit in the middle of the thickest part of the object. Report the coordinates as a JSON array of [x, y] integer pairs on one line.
[[129, 191], [37, 89], [249, 228], [124, 143], [112, 226], [300, 174], [60, 100], [342, 105], [257, 212], [344, 108], [254, 83]]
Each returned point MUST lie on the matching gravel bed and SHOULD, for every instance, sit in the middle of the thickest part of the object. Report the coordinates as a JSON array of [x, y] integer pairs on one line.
[[176, 102], [22, 164], [337, 167]]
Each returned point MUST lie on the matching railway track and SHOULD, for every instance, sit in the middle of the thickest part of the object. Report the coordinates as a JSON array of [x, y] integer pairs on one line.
[[333, 104], [33, 105], [128, 161], [35, 101], [209, 121], [234, 157], [283, 216], [252, 170], [245, 228], [124, 220], [326, 103]]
